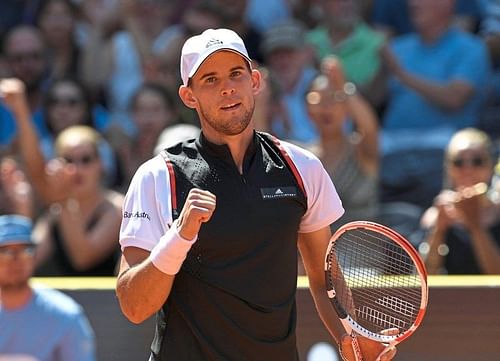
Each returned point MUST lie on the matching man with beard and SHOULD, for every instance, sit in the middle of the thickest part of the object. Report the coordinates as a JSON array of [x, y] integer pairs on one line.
[[217, 255], [37, 324]]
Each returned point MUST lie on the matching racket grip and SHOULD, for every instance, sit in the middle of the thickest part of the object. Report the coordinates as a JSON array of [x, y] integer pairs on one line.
[[358, 356], [355, 347]]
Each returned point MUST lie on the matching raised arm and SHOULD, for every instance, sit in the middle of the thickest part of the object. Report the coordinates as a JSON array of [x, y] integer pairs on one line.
[[360, 112], [50, 189]]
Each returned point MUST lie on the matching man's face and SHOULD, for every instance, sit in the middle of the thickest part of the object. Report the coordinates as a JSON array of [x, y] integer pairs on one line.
[[17, 263], [223, 91], [25, 57], [426, 13], [341, 13], [287, 64]]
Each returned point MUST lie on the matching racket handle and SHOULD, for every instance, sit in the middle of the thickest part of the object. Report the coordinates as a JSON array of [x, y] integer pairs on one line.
[[358, 356], [355, 347]]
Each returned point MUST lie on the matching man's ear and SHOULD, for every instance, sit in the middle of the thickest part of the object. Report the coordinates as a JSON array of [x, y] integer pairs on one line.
[[256, 81], [186, 95]]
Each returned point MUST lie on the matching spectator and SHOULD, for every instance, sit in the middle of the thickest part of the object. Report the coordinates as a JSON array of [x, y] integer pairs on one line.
[[233, 14], [348, 141], [164, 69], [392, 17], [25, 53], [80, 230], [308, 12], [269, 103], [489, 31], [79, 235], [152, 110], [37, 324], [290, 63], [343, 33], [16, 12], [57, 22], [114, 64], [263, 14], [463, 225], [67, 103], [440, 73]]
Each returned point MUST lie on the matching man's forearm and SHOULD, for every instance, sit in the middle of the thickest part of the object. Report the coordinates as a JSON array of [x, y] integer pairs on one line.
[[142, 290]]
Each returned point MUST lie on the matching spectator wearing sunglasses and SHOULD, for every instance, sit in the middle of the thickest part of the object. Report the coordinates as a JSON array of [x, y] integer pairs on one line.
[[36, 323], [463, 225], [78, 235]]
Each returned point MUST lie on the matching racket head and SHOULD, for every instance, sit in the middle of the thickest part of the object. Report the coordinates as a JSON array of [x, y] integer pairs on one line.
[[376, 281]]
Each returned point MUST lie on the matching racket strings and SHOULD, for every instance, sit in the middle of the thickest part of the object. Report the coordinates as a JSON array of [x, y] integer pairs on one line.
[[377, 279]]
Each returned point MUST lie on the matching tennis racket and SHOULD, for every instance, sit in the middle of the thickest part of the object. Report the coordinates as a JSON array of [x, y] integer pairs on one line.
[[376, 282]]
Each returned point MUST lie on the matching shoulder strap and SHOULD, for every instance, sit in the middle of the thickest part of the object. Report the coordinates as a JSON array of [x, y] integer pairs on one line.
[[288, 160], [173, 188]]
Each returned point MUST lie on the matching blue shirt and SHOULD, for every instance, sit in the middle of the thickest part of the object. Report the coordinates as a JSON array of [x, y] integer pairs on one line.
[[302, 128], [455, 56], [7, 126], [51, 327], [396, 15]]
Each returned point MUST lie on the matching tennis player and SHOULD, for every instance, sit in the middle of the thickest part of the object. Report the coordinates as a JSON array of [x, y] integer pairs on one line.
[[211, 225]]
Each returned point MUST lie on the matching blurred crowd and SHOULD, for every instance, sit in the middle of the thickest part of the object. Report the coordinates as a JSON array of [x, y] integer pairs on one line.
[[400, 99]]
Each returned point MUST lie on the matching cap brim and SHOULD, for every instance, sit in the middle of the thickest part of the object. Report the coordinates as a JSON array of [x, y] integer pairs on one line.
[[15, 242], [201, 59]]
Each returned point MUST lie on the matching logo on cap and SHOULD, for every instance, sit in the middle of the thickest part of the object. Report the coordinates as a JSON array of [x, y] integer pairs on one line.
[[213, 42]]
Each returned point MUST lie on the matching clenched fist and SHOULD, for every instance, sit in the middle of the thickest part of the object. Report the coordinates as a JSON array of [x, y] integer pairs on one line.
[[198, 209]]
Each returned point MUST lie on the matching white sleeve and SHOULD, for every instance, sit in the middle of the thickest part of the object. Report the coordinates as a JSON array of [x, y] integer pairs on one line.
[[147, 207], [323, 202]]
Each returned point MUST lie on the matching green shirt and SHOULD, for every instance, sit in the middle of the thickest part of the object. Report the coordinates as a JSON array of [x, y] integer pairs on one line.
[[359, 53]]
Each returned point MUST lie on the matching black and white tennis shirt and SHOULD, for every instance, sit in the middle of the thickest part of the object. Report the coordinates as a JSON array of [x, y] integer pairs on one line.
[[234, 297]]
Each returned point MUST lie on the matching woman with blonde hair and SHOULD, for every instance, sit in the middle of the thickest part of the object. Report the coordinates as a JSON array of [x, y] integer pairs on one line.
[[463, 225], [78, 235]]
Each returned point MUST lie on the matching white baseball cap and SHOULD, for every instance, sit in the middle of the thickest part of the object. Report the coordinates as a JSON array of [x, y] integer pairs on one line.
[[199, 47]]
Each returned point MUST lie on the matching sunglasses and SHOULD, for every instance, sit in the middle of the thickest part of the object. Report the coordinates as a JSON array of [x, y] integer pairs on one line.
[[84, 160], [68, 101], [475, 162], [10, 254]]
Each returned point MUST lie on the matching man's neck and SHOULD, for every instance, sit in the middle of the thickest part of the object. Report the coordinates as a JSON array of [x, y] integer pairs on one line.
[[431, 34], [13, 298], [237, 144]]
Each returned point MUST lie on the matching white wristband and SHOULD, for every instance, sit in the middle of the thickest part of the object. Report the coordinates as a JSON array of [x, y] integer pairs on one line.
[[169, 254]]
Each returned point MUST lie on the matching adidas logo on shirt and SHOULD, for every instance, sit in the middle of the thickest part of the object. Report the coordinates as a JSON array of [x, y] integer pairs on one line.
[[278, 192]]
